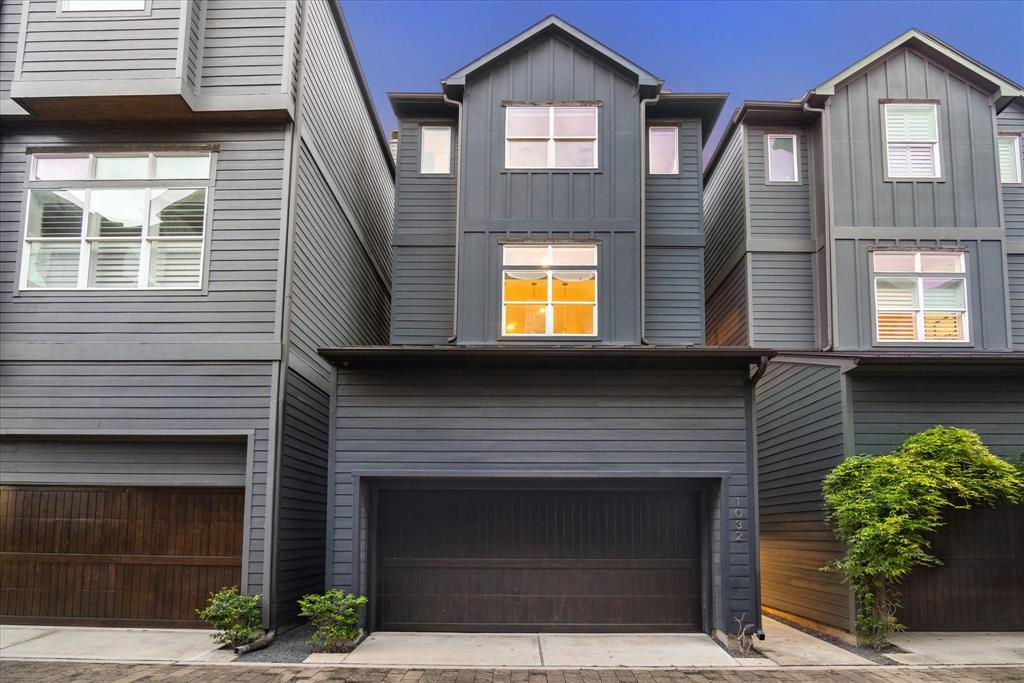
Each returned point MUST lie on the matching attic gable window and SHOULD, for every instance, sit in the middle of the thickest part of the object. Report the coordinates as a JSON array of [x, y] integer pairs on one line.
[[912, 140], [1009, 159], [539, 137], [920, 296]]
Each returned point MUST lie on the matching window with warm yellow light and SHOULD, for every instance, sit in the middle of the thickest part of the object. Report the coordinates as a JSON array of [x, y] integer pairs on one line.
[[549, 290]]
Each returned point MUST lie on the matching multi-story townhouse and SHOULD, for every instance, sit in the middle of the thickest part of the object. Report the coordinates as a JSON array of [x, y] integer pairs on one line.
[[872, 233], [196, 197], [543, 446]]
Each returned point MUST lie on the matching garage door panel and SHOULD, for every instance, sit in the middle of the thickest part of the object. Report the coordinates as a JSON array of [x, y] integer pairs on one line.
[[538, 560], [116, 555]]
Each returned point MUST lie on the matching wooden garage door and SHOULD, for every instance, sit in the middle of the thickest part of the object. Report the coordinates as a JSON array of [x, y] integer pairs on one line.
[[980, 585], [538, 560], [116, 556]]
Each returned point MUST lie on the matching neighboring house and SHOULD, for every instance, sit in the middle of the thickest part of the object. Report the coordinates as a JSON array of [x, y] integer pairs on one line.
[[873, 233], [196, 196], [542, 446]]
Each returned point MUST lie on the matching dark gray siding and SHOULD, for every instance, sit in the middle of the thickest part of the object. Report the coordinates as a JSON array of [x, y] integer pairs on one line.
[[673, 264], [1011, 120], [890, 406], [544, 419], [149, 462], [245, 207], [601, 205], [1015, 276], [140, 398], [243, 47], [10, 26], [799, 440], [782, 300], [777, 211], [967, 197], [985, 282], [727, 310], [725, 220], [302, 495], [423, 294]]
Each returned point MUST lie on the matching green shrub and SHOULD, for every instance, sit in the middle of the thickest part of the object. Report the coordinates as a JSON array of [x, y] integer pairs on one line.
[[885, 508], [235, 617], [335, 618]]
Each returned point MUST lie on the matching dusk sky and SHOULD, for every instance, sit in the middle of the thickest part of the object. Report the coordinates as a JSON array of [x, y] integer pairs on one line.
[[752, 50]]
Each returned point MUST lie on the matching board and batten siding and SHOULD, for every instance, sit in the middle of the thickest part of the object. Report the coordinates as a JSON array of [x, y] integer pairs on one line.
[[782, 300], [302, 495], [539, 419], [800, 438], [725, 221], [967, 197], [66, 46], [423, 292], [986, 290], [140, 398], [889, 406], [244, 231], [674, 287], [243, 46], [727, 310], [122, 462]]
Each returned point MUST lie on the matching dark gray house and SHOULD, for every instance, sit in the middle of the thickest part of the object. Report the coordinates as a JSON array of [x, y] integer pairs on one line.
[[196, 197], [873, 233], [545, 444]]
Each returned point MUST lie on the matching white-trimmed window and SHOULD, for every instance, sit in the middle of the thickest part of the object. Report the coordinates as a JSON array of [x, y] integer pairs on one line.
[[550, 137], [102, 5], [436, 149], [920, 296], [912, 140], [663, 150], [782, 157], [116, 221], [549, 290], [1009, 159]]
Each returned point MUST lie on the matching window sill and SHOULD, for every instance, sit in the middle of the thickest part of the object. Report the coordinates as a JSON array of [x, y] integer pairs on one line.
[[105, 293], [550, 171], [922, 345], [913, 180], [550, 338]]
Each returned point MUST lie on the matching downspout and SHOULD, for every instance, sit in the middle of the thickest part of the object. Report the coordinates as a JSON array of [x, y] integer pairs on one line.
[[826, 180], [755, 507], [643, 214], [458, 221]]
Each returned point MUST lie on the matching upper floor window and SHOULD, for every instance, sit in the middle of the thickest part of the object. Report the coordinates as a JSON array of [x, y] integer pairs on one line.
[[116, 221], [783, 159], [912, 140], [436, 149], [102, 5], [1009, 159], [663, 149], [551, 137], [920, 296], [549, 290]]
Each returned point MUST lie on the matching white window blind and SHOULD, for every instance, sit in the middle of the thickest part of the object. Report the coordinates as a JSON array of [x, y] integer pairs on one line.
[[920, 296], [1009, 158], [912, 140]]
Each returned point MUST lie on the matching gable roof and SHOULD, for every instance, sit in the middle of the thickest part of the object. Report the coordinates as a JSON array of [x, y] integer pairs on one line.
[[550, 24], [1000, 85]]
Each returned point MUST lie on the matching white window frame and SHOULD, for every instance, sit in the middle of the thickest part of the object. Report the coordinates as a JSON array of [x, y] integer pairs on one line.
[[918, 275], [549, 303], [1015, 150], [675, 149], [936, 151], [85, 241], [796, 158], [551, 138], [423, 134], [69, 6]]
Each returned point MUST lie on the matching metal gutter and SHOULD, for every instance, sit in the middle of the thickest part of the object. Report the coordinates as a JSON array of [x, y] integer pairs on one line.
[[434, 353]]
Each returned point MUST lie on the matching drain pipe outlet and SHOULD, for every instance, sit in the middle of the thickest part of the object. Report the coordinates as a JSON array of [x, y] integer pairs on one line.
[[257, 644]]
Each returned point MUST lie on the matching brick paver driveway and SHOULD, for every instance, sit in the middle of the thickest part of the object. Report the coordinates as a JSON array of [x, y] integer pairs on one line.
[[12, 671]]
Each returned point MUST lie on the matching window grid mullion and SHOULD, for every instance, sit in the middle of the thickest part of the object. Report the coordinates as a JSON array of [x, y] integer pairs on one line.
[[549, 318], [84, 255], [144, 248]]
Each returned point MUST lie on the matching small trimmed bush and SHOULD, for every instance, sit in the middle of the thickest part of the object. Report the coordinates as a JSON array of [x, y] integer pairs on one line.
[[335, 618], [235, 617]]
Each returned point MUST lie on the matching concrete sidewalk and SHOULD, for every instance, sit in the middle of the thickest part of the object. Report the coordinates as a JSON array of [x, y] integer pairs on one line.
[[928, 648], [787, 646], [109, 644]]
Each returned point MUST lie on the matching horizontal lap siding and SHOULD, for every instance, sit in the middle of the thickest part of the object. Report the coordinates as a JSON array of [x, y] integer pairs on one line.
[[193, 43], [799, 440], [302, 497], [541, 419], [133, 398], [782, 305], [129, 462], [674, 201], [243, 255], [1015, 268], [243, 47], [890, 406], [1011, 120], [675, 295], [10, 27], [95, 45], [777, 211], [423, 293], [724, 214], [727, 310]]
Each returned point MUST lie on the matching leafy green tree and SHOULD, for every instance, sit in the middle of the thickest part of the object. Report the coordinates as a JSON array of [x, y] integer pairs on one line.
[[886, 507]]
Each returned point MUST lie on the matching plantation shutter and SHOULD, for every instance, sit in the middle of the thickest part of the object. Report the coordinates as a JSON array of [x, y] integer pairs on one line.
[[1009, 164], [912, 135]]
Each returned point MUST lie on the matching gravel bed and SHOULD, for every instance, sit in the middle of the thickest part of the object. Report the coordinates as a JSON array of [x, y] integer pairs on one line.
[[288, 647]]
